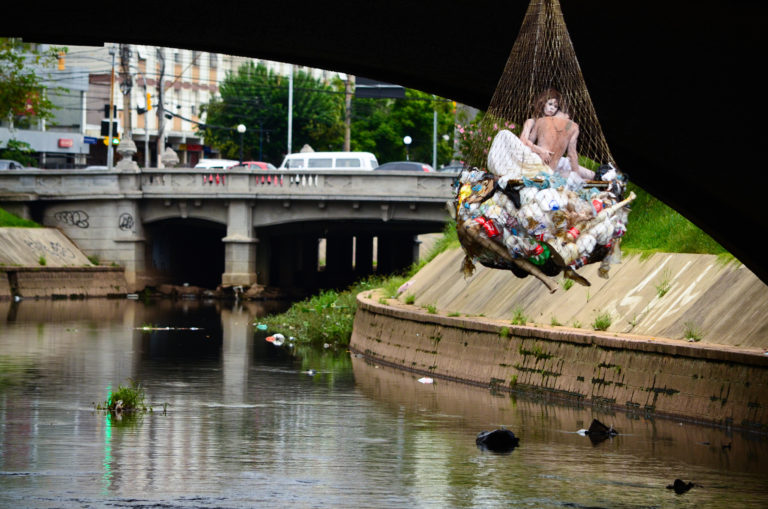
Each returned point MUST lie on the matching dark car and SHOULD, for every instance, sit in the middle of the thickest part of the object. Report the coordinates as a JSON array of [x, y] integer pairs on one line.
[[404, 166]]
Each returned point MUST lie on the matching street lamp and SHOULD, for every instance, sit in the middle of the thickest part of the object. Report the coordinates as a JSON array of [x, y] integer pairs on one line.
[[241, 130], [407, 140]]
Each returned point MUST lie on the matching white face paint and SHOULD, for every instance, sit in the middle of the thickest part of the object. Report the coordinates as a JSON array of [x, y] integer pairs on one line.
[[551, 107]]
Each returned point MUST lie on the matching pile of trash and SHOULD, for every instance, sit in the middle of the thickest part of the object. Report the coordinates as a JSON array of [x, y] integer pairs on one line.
[[542, 225]]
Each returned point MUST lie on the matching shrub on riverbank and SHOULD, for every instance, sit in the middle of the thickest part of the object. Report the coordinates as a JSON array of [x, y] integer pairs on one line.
[[328, 316]]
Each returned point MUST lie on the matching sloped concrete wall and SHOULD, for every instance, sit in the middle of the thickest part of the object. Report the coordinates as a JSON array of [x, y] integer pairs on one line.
[[724, 302], [43, 262], [702, 382]]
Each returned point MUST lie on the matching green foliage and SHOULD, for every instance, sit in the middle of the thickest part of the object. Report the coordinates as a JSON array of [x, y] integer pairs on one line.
[[504, 332], [42, 261], [602, 321], [431, 309], [127, 398], [20, 151], [410, 299], [379, 125], [654, 227], [323, 318], [475, 138], [664, 285], [10, 220], [94, 259], [22, 92], [691, 332], [555, 322], [258, 98], [518, 317]]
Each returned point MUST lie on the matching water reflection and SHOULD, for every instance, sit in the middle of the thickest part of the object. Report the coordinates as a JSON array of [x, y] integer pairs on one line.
[[249, 424]]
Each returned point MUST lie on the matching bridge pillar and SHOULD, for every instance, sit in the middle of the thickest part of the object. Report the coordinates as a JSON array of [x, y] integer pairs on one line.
[[239, 246], [338, 260], [363, 255], [396, 252]]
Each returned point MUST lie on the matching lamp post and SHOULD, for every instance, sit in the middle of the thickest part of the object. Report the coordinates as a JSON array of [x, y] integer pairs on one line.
[[241, 130], [407, 140]]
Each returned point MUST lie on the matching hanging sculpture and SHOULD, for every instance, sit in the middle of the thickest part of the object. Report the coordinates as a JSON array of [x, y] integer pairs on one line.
[[546, 197]]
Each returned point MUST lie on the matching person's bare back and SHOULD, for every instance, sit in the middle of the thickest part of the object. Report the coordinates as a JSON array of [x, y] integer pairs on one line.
[[555, 135]]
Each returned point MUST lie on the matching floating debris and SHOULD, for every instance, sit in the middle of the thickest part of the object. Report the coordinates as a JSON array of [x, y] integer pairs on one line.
[[132, 296], [276, 339], [425, 380], [153, 328], [499, 440], [680, 486], [310, 372], [262, 326]]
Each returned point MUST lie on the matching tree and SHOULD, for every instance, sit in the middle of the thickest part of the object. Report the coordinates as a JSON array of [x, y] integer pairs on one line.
[[22, 92], [379, 126], [258, 98]]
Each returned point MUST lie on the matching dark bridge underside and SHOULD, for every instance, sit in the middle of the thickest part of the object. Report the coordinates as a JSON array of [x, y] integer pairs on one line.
[[673, 83]]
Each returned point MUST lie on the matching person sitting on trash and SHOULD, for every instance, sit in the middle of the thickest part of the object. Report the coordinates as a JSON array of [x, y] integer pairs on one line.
[[543, 144]]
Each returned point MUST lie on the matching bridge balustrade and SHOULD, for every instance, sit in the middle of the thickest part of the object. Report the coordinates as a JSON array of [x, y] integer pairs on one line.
[[198, 183]]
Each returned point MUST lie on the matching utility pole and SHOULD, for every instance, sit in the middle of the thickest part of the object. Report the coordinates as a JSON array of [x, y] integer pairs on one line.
[[126, 84], [160, 109], [110, 149], [290, 108], [349, 89]]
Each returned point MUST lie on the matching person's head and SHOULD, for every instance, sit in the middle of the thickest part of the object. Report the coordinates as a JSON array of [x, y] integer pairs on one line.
[[548, 103]]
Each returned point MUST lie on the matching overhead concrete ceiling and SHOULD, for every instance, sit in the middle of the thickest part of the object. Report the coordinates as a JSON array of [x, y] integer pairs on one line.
[[676, 85]]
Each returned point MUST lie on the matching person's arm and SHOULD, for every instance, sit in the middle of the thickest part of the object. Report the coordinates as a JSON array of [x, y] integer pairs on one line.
[[529, 138], [573, 155]]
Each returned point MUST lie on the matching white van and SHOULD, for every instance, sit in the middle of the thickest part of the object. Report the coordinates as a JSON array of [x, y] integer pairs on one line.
[[329, 161], [216, 164]]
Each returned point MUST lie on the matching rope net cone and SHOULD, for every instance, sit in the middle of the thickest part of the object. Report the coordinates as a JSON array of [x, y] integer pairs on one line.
[[521, 204], [542, 58]]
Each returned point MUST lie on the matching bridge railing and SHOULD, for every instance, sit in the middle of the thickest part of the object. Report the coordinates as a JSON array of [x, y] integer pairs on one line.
[[199, 183]]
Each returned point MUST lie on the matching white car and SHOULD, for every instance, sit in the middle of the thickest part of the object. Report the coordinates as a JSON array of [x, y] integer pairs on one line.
[[216, 164], [10, 164]]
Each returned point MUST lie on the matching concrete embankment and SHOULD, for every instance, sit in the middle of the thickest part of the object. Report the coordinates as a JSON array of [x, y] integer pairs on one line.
[[642, 363], [43, 262]]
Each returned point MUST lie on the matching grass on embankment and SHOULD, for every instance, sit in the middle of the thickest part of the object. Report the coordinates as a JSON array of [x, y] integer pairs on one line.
[[8, 220], [655, 228], [328, 317]]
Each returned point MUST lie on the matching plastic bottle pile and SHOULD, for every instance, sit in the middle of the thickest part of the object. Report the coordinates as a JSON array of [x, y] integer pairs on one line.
[[555, 223]]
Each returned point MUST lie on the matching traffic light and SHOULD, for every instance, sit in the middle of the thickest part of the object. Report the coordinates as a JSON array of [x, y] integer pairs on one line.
[[105, 128], [149, 101], [106, 110], [115, 140]]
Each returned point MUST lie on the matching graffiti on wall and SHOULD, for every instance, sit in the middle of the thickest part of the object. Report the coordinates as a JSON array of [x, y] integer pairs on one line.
[[77, 218]]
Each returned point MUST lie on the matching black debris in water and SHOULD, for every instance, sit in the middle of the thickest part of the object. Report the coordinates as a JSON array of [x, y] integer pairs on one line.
[[499, 440]]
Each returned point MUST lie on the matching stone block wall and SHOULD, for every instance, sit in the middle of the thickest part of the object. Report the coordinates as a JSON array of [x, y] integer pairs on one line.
[[708, 383], [31, 282]]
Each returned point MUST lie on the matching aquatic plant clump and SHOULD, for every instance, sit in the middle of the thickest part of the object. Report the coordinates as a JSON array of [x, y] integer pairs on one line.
[[126, 399]]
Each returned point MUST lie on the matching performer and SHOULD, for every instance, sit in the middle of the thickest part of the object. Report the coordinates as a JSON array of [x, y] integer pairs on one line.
[[542, 145]]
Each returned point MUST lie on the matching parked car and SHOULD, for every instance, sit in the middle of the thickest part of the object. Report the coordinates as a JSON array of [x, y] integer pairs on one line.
[[216, 164], [405, 166], [10, 164], [329, 161], [258, 165], [452, 168]]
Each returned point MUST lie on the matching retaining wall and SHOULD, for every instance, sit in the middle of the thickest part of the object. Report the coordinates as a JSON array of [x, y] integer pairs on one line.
[[31, 282], [714, 384]]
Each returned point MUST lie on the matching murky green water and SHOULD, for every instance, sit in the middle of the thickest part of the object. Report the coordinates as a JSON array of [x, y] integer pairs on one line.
[[247, 426]]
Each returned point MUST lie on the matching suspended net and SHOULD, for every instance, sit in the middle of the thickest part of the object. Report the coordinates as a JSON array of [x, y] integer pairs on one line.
[[540, 193]]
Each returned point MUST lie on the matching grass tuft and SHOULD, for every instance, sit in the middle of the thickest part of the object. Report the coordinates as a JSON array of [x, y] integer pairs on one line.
[[602, 321]]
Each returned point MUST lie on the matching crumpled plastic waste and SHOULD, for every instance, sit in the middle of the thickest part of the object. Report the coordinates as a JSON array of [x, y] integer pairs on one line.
[[557, 224]]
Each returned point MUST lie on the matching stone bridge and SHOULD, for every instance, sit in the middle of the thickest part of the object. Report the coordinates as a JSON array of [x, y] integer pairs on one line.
[[236, 227]]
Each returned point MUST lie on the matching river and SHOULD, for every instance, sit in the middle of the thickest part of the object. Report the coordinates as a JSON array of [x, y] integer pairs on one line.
[[239, 422]]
